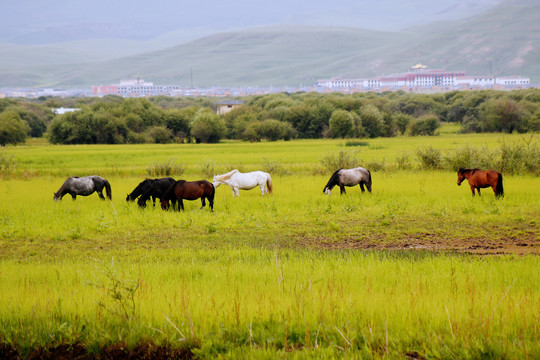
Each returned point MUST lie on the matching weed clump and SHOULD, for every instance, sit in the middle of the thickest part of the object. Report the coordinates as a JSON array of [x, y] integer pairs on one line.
[[344, 159], [166, 168]]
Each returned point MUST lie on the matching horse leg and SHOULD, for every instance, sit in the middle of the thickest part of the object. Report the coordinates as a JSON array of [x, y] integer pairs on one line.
[[263, 188], [154, 200], [472, 189], [202, 202], [342, 189], [180, 205], [100, 194], [478, 191], [73, 196], [237, 191], [362, 186]]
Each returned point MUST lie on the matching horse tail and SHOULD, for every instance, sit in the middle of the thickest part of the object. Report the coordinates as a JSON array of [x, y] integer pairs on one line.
[[269, 184], [108, 189], [369, 173], [500, 190]]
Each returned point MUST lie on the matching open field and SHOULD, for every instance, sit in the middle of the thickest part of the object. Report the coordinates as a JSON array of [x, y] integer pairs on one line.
[[390, 274]]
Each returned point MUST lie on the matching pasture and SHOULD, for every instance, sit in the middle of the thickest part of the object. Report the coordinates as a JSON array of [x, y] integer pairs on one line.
[[416, 269]]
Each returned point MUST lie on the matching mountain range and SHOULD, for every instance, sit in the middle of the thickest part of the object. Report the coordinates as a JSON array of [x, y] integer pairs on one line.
[[499, 38]]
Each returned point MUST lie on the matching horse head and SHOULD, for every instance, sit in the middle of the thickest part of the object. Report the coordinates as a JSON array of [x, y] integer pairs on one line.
[[216, 182], [165, 204], [461, 176], [56, 197]]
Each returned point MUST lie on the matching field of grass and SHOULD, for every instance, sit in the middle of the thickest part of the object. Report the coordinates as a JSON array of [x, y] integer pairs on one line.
[[296, 274]]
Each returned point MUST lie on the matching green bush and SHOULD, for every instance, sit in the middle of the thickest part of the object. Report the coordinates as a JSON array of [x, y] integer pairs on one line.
[[425, 125], [166, 168], [13, 130], [344, 159], [341, 124], [429, 158]]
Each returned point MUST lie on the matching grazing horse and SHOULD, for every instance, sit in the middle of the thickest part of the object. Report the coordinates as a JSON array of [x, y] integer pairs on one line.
[[245, 181], [156, 190], [189, 190], [83, 186], [138, 191], [349, 177], [150, 188], [482, 179]]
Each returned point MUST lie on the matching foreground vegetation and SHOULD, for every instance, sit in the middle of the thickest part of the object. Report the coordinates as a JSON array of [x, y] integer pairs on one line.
[[277, 276]]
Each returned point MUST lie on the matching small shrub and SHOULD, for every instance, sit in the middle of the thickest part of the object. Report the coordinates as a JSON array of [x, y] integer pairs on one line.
[[273, 167], [208, 168], [344, 159], [166, 168], [429, 158], [356, 143], [375, 165], [519, 158], [7, 164], [403, 162]]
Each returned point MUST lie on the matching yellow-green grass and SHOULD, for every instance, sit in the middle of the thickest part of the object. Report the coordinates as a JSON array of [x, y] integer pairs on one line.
[[300, 156], [244, 302], [405, 206], [267, 276]]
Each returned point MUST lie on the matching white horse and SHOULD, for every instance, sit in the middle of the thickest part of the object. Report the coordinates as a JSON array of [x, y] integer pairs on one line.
[[349, 177], [245, 181]]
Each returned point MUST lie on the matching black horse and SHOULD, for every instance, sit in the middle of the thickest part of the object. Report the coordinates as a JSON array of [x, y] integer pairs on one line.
[[83, 186], [150, 188], [156, 190]]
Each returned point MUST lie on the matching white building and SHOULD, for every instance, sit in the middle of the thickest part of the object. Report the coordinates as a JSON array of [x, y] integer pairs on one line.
[[476, 81], [139, 87], [420, 77], [512, 81]]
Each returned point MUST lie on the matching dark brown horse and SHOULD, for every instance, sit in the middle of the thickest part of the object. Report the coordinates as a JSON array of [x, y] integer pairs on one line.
[[189, 190], [482, 179]]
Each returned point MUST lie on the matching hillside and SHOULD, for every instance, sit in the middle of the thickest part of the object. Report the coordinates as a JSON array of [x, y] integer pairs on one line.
[[504, 40]]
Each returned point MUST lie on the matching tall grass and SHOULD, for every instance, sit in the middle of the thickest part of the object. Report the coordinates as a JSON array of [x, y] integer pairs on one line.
[[235, 301]]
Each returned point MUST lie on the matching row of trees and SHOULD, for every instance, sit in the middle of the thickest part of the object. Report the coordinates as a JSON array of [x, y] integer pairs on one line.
[[272, 117]]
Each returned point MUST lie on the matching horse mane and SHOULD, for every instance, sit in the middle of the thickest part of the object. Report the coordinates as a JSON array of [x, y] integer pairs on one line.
[[227, 176], [334, 179]]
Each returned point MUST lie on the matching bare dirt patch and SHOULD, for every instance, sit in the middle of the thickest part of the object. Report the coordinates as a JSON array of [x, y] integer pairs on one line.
[[522, 245]]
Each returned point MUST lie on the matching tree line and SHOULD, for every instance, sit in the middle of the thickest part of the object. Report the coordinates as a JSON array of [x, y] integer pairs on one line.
[[117, 120]]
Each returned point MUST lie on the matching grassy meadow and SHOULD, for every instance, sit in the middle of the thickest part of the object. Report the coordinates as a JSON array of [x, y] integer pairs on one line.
[[392, 274]]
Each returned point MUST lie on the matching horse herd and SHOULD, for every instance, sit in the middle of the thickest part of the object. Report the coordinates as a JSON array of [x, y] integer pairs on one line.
[[170, 191]]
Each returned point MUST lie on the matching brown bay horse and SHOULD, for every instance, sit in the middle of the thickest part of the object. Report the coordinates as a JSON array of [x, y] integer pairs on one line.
[[482, 179], [189, 190]]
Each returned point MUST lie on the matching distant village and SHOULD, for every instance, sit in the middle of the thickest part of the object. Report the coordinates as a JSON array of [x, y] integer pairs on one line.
[[418, 79]]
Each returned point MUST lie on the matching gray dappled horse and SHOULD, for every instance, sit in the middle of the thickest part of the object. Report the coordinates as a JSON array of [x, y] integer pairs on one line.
[[83, 186], [349, 177]]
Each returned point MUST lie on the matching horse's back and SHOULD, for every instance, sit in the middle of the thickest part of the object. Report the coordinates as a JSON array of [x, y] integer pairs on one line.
[[353, 176]]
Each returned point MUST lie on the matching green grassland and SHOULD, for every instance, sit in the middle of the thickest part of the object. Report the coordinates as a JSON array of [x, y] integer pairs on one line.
[[294, 274]]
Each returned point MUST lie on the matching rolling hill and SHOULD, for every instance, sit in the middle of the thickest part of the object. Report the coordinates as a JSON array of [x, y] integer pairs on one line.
[[504, 40]]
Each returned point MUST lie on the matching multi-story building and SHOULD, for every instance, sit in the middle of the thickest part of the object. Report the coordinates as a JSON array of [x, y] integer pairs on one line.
[[420, 77], [512, 81], [137, 87]]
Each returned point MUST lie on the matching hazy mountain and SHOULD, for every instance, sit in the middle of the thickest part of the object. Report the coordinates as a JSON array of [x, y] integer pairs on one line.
[[39, 22], [504, 39]]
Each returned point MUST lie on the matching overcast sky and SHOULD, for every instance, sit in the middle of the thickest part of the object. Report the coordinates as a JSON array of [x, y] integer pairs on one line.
[[42, 21]]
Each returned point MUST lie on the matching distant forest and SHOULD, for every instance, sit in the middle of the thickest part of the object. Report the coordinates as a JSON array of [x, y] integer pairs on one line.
[[282, 116]]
